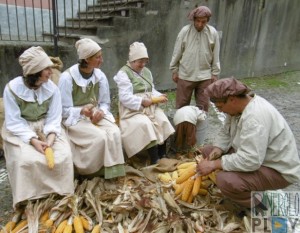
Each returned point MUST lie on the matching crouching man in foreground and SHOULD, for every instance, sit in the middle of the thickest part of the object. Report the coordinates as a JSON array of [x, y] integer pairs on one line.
[[256, 148]]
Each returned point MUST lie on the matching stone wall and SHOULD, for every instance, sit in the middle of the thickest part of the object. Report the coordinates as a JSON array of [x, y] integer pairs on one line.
[[258, 37]]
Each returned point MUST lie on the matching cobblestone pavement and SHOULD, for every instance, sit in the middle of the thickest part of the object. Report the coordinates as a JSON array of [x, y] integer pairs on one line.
[[283, 93]]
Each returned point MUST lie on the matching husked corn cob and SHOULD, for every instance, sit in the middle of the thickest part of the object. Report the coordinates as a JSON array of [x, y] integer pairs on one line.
[[185, 165], [190, 171], [49, 157], [179, 188], [205, 184], [187, 189], [86, 224], [165, 178], [8, 227], [68, 229], [53, 216], [202, 192], [174, 175], [191, 198], [96, 229], [205, 177], [11, 224], [53, 229], [212, 177], [78, 224], [69, 226], [196, 186], [157, 99], [61, 226], [19, 226], [181, 171], [44, 217]]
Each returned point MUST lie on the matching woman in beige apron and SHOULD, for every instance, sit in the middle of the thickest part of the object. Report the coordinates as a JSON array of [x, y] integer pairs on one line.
[[94, 137], [33, 111], [143, 124]]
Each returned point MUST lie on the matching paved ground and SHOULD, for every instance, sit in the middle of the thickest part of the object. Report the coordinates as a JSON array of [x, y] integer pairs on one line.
[[283, 91]]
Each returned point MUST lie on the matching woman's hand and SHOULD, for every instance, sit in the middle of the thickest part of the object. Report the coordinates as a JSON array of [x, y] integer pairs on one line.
[[146, 102], [87, 110], [159, 99], [163, 98], [50, 139], [97, 116], [39, 145]]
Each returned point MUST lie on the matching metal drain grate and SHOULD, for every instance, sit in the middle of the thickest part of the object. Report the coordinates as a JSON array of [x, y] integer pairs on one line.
[[3, 172]]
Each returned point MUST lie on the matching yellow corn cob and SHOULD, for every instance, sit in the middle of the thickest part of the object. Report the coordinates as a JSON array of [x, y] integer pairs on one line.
[[191, 198], [174, 175], [175, 186], [8, 227], [49, 223], [165, 178], [68, 229], [44, 217], [49, 157], [179, 188], [96, 229], [185, 165], [61, 227], [181, 171], [187, 189], [158, 99], [53, 216], [78, 224], [190, 171], [69, 226], [206, 183], [196, 186], [212, 177], [19, 226], [86, 224], [202, 192], [168, 175], [11, 224], [205, 177]]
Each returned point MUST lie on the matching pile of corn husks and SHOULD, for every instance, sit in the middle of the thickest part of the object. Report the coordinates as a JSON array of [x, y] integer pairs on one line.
[[127, 204]]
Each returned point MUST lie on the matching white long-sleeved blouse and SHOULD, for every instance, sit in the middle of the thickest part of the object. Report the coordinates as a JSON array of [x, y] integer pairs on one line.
[[16, 124], [126, 95], [71, 113]]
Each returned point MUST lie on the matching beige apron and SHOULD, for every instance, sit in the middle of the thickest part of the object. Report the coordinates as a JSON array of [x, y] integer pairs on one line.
[[95, 146], [28, 173], [140, 128]]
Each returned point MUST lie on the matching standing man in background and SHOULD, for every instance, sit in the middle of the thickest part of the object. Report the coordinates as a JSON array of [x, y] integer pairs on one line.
[[195, 61]]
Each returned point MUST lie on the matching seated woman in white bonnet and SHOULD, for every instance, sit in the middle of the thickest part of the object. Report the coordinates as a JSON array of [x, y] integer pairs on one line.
[[32, 123], [95, 138], [143, 124]]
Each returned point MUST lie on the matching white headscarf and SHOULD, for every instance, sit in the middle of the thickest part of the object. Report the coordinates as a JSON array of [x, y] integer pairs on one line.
[[137, 50], [34, 60], [86, 48]]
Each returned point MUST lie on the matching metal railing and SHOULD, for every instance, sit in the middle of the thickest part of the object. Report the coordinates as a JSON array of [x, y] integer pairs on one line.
[[47, 20]]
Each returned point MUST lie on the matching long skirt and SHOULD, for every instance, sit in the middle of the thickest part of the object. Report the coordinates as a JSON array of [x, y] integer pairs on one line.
[[95, 147], [28, 173], [139, 129]]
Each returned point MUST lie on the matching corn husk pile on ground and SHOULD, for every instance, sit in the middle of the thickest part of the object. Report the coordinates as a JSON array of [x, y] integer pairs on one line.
[[179, 201]]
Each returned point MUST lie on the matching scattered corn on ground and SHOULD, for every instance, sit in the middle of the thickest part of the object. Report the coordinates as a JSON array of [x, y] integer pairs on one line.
[[187, 183], [180, 201]]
